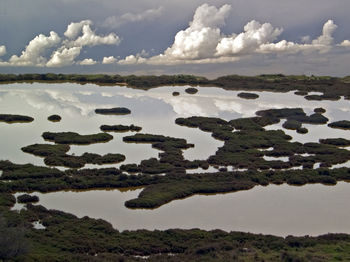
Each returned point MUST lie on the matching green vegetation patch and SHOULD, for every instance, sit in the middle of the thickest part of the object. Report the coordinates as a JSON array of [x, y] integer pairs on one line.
[[25, 198], [327, 96], [176, 186], [80, 161], [242, 148], [75, 138], [300, 93], [336, 141], [13, 171], [320, 110], [247, 95], [27, 178], [297, 114], [54, 118], [113, 111], [44, 150], [191, 90], [10, 119], [55, 155], [292, 124], [120, 128], [159, 194], [344, 124], [295, 117], [170, 159]]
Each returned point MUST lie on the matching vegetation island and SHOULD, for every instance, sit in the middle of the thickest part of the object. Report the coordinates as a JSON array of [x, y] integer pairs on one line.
[[54, 118], [247, 95], [10, 119], [113, 111]]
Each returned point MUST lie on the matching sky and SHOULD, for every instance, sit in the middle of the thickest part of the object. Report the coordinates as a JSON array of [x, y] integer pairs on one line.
[[209, 38]]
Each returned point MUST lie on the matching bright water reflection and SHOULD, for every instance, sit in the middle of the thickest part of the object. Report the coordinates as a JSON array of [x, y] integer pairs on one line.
[[155, 110], [280, 210]]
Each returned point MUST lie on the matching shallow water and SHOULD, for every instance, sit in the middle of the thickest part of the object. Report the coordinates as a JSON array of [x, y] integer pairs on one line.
[[154, 110], [280, 210]]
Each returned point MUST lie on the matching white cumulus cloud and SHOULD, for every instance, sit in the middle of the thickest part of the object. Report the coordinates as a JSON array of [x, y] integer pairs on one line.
[[64, 56], [117, 21], [326, 39], [88, 61], [345, 43], [200, 39], [139, 58], [2, 50], [77, 36], [74, 29], [254, 35], [109, 60], [89, 38], [132, 59], [33, 54], [203, 41]]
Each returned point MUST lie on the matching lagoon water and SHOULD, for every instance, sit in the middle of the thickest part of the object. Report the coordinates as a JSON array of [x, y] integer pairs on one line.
[[279, 210]]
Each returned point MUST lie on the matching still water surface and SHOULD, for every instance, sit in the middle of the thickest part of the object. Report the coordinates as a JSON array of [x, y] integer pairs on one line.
[[280, 210]]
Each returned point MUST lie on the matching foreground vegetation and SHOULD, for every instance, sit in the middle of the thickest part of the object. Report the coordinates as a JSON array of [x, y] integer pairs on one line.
[[68, 238]]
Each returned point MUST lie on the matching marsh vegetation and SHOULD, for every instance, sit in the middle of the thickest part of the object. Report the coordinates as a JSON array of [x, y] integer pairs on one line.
[[54, 118], [247, 143], [10, 119], [113, 111]]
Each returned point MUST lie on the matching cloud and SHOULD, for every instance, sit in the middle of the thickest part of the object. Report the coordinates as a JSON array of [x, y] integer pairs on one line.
[[117, 21], [71, 48], [326, 39], [254, 35], [305, 39], [89, 38], [322, 44], [345, 43], [77, 36], [64, 56], [109, 60], [203, 41], [74, 29], [2, 50], [200, 39], [32, 55], [88, 61], [132, 59], [139, 58]]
